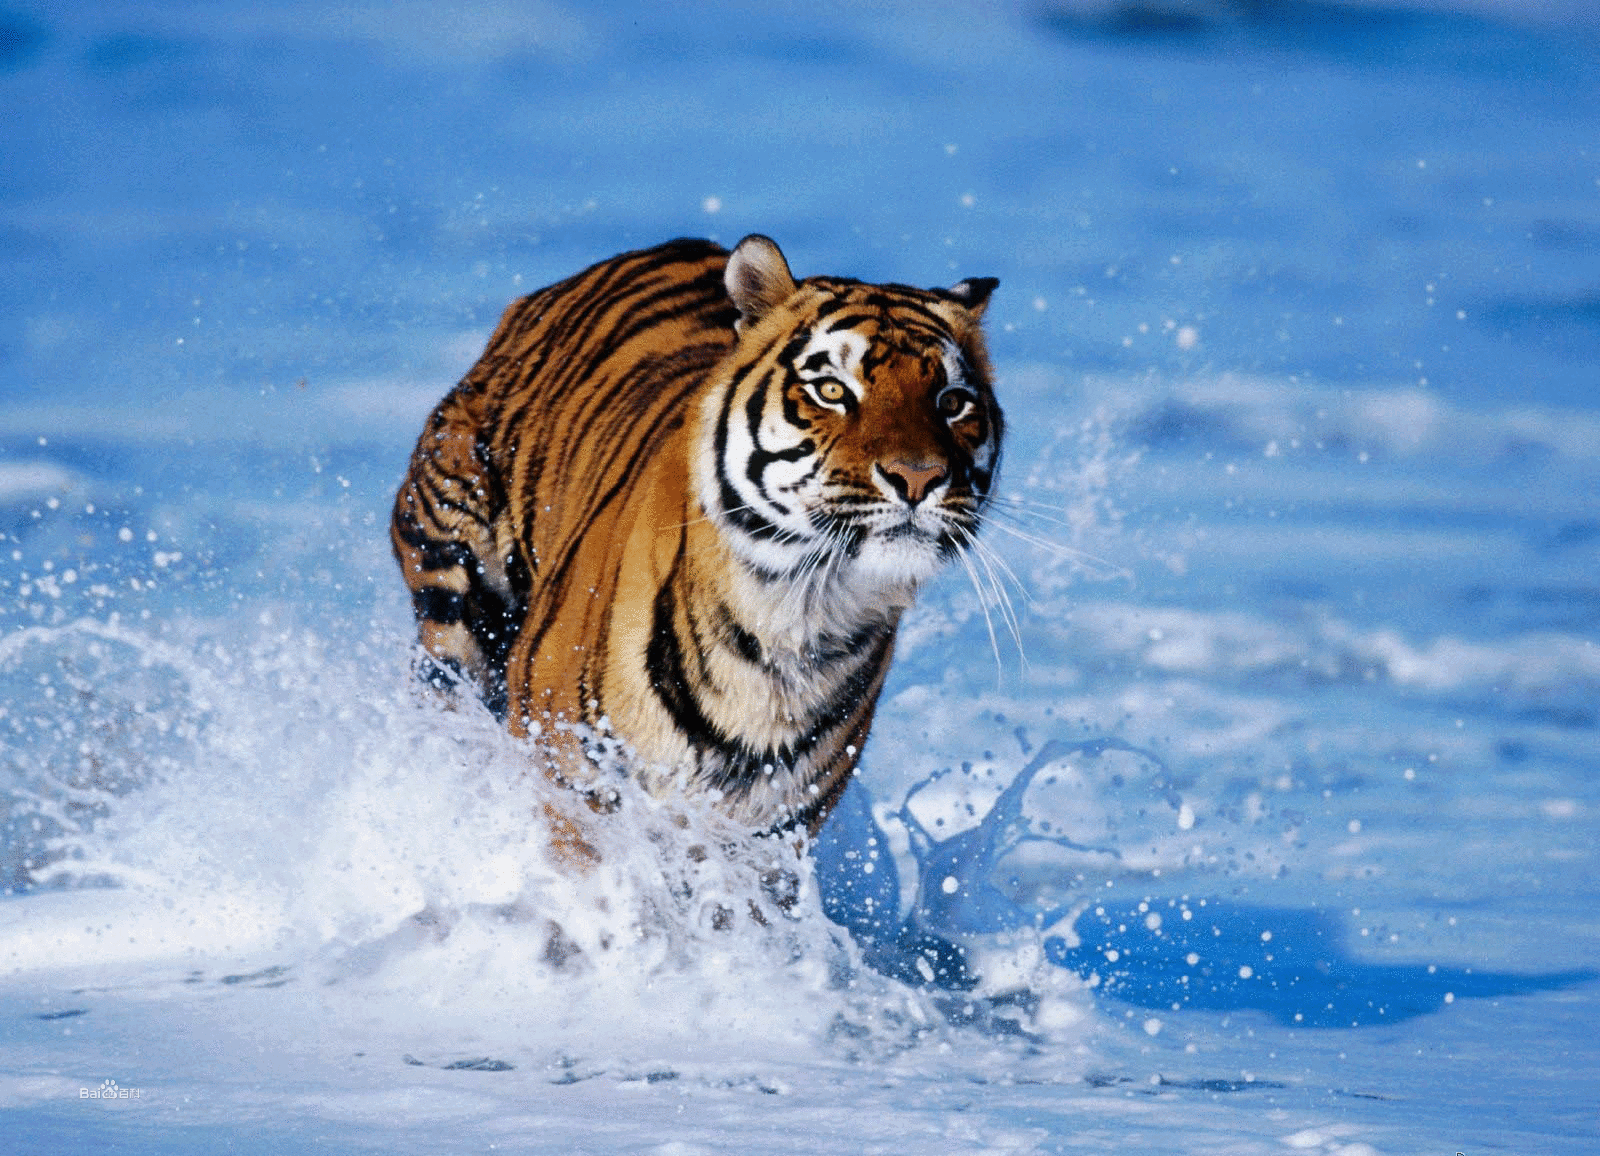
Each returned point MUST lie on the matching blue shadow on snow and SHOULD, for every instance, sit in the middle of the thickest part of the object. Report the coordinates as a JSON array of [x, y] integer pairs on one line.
[[1289, 963], [1171, 954]]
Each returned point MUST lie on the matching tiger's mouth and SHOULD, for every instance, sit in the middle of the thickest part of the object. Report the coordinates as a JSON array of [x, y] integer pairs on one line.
[[905, 529], [858, 526], [906, 544]]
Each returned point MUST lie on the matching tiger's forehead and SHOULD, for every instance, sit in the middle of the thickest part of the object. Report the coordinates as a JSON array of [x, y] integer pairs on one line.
[[832, 351], [856, 328], [896, 313], [860, 357]]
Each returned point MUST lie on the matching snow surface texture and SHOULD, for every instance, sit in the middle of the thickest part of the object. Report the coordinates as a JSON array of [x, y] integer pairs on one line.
[[1270, 828]]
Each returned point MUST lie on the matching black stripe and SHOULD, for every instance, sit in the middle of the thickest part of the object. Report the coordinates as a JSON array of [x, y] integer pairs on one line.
[[699, 647], [431, 488], [816, 468], [755, 466], [791, 408], [436, 553], [733, 507], [668, 678], [829, 650], [438, 605], [745, 643]]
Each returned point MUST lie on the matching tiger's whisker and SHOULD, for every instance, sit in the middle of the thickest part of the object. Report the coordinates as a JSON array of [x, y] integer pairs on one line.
[[1003, 598], [983, 605], [1088, 561]]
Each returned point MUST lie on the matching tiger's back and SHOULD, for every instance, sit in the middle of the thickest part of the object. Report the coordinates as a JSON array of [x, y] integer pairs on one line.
[[505, 483], [607, 521]]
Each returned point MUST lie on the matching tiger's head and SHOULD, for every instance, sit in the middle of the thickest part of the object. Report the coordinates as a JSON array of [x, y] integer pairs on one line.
[[853, 432]]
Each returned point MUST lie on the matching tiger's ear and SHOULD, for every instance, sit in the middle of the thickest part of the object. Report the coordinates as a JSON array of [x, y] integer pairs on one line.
[[757, 278], [973, 293]]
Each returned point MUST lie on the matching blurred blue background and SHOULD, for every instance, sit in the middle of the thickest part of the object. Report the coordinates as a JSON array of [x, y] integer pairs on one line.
[[1297, 333]]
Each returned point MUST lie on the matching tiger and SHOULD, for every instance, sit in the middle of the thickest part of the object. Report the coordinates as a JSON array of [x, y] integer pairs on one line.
[[681, 503]]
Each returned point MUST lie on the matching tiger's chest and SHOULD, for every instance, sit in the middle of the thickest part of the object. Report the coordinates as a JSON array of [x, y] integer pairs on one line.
[[717, 682], [771, 739]]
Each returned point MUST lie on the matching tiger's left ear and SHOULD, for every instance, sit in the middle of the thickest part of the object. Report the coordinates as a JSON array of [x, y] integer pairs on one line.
[[973, 293], [757, 278]]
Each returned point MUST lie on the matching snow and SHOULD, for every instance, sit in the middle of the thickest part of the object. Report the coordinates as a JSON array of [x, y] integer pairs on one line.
[[1271, 829]]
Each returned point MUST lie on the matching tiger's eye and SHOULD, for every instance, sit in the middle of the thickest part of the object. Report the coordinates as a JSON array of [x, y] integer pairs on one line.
[[952, 402], [830, 391]]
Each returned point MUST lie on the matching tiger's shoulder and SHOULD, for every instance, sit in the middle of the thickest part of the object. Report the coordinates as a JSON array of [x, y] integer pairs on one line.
[[643, 303]]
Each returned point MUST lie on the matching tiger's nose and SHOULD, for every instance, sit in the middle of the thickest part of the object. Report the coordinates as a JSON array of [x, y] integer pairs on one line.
[[913, 480]]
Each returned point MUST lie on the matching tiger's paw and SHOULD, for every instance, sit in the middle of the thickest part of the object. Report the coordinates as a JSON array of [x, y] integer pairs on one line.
[[569, 850]]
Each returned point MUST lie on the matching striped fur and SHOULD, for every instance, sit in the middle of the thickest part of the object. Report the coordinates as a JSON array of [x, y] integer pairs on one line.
[[685, 499]]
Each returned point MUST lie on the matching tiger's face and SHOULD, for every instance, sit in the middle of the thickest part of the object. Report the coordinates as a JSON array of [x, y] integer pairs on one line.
[[856, 434]]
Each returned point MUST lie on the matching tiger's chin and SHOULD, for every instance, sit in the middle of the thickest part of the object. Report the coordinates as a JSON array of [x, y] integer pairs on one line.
[[902, 556]]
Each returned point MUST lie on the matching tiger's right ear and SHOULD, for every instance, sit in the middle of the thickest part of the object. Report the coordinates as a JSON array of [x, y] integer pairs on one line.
[[757, 278]]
